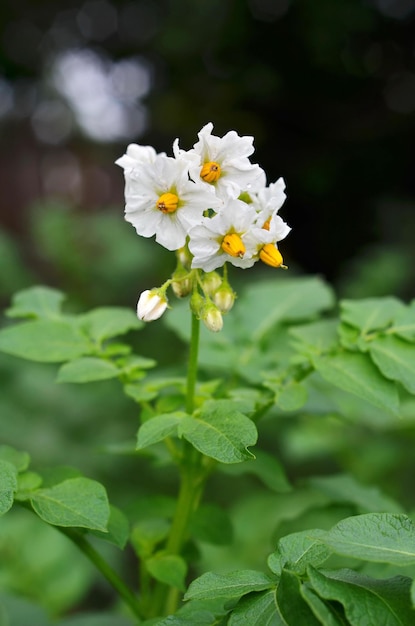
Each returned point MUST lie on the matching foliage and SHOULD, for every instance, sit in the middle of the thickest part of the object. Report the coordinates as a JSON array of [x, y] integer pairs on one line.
[[289, 351]]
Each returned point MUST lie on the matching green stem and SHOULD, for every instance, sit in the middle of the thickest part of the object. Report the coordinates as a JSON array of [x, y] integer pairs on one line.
[[192, 368], [191, 488], [106, 570], [192, 480]]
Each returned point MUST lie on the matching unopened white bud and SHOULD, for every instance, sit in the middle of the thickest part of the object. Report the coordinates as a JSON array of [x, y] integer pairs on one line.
[[224, 298], [211, 282], [212, 319], [182, 288], [184, 257], [151, 305], [182, 283]]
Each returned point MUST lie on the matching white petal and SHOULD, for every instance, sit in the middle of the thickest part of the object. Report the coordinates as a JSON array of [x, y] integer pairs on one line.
[[170, 233], [146, 223]]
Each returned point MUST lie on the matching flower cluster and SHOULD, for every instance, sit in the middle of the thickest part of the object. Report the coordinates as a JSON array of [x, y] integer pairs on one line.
[[211, 205]]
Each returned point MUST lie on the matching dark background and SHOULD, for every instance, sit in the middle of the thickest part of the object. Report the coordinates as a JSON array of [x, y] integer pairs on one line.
[[326, 87]]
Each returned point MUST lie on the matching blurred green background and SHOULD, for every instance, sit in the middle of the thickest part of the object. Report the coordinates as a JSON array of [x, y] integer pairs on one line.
[[327, 89]]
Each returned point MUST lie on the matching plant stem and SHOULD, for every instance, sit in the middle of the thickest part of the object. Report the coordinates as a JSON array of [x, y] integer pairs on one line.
[[192, 368], [192, 480], [191, 488], [106, 570]]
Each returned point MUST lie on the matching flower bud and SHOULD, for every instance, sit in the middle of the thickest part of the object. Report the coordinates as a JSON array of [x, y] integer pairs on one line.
[[182, 288], [197, 303], [151, 305], [224, 298], [182, 284], [184, 257], [212, 318], [211, 282]]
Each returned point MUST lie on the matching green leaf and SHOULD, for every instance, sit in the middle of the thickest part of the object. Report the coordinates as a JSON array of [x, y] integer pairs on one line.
[[289, 397], [79, 502], [299, 550], [158, 428], [355, 373], [147, 534], [19, 459], [264, 307], [37, 302], [379, 537], [291, 605], [133, 365], [328, 614], [366, 600], [276, 300], [317, 337], [274, 563], [266, 467], [370, 313], [8, 485], [45, 341], [396, 360], [139, 392], [230, 585], [107, 322], [257, 609], [26, 484], [86, 369], [220, 432], [404, 324], [351, 339], [191, 618], [169, 569], [344, 488], [118, 528]]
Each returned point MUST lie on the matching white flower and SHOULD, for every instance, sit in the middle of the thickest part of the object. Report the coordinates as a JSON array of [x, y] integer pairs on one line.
[[223, 238], [135, 155], [268, 200], [132, 159], [162, 201], [262, 241], [151, 305], [222, 162]]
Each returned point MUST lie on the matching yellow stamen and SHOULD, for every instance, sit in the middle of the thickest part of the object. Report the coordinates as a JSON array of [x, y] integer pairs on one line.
[[267, 224], [210, 172], [232, 244], [167, 203], [270, 255]]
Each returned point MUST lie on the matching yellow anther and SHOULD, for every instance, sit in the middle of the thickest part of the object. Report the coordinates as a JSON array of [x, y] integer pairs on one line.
[[210, 172], [270, 255], [167, 203], [267, 224], [232, 244]]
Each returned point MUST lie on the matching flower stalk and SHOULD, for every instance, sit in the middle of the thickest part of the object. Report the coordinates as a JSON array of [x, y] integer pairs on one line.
[[192, 480]]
